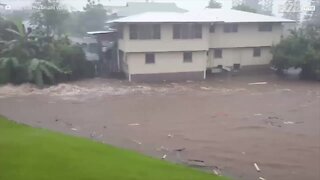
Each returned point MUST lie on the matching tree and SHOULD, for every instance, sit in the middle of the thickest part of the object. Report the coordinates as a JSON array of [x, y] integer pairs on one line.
[[214, 4], [300, 49], [49, 14], [94, 17], [266, 7], [292, 10], [39, 70], [313, 17], [246, 8]]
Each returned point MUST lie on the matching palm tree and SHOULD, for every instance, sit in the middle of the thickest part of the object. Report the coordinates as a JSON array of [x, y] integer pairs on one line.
[[8, 69], [40, 69]]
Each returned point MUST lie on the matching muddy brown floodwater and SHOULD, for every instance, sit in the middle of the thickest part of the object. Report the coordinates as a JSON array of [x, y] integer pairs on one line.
[[224, 123]]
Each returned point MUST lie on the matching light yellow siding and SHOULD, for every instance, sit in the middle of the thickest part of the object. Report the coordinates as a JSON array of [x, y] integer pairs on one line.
[[166, 43], [248, 35], [168, 62], [242, 56]]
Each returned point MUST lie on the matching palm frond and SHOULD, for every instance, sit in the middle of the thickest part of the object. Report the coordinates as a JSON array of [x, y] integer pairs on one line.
[[47, 73]]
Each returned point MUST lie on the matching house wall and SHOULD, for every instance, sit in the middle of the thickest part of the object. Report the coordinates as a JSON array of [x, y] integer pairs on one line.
[[242, 56], [167, 65], [248, 35], [166, 43]]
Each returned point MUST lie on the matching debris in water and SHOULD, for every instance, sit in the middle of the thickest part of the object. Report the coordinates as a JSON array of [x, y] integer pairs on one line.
[[134, 124], [217, 171], [258, 114], [137, 142], [93, 134], [162, 148], [286, 90], [261, 178], [180, 149], [258, 83], [205, 88], [273, 117], [288, 122], [195, 162], [74, 129], [257, 167], [170, 135], [164, 156]]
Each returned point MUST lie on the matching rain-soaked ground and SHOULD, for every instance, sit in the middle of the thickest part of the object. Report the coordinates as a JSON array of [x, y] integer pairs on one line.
[[222, 124]]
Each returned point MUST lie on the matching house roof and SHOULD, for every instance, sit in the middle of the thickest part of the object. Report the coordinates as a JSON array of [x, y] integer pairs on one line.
[[206, 15], [133, 8]]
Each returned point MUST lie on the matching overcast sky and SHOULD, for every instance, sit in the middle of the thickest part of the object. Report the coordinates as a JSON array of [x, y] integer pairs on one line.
[[186, 4]]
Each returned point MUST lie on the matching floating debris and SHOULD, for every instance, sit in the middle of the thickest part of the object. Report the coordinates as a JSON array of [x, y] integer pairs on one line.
[[289, 122], [137, 142], [258, 83], [74, 129], [257, 167], [134, 124], [196, 163], [180, 149], [205, 88], [164, 156]]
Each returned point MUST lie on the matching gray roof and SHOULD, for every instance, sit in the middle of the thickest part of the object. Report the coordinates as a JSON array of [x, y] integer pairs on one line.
[[133, 8], [206, 15]]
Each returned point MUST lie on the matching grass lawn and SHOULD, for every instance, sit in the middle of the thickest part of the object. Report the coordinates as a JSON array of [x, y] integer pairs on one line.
[[36, 154]]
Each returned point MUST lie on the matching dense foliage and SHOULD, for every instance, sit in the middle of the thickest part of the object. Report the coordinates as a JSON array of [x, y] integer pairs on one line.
[[92, 18], [33, 56], [50, 15], [300, 49], [214, 4], [243, 7]]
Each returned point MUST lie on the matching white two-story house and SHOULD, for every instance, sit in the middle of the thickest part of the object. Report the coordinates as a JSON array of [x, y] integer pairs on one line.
[[183, 46]]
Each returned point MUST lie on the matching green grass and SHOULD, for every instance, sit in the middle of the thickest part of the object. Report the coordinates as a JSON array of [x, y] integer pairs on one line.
[[36, 154]]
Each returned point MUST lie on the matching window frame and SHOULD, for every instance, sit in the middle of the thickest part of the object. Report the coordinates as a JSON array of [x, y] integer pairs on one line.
[[187, 31], [265, 27], [136, 31], [257, 53], [215, 54], [231, 28], [187, 57], [153, 58]]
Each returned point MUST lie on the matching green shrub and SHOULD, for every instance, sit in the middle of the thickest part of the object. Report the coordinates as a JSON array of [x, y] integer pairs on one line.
[[72, 58], [301, 49]]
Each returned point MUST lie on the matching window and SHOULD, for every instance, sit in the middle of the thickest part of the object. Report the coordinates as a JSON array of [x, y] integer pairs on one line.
[[212, 28], [230, 28], [187, 31], [145, 31], [120, 31], [187, 57], [265, 27], [150, 58], [256, 52], [218, 53], [236, 66]]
